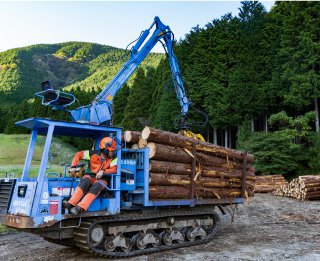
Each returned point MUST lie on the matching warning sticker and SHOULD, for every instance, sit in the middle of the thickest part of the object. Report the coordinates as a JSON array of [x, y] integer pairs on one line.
[[65, 191], [54, 207], [57, 191]]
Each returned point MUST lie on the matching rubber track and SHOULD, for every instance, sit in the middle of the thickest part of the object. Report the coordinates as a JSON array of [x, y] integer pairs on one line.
[[87, 224]]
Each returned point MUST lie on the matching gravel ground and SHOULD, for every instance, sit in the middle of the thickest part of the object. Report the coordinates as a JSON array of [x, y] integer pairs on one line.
[[270, 228]]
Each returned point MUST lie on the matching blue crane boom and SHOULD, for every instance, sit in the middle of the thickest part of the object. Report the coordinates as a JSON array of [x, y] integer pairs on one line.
[[100, 110]]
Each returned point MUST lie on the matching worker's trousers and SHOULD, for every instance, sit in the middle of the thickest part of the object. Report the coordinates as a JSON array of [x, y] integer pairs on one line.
[[90, 185]]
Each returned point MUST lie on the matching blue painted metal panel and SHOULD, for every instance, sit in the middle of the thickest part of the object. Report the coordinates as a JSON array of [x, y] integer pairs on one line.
[[128, 175], [23, 205], [146, 176], [82, 130], [42, 169], [29, 155], [115, 206], [95, 205], [111, 204]]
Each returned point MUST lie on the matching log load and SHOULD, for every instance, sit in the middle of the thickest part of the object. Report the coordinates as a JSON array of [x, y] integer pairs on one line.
[[175, 154], [269, 183], [184, 168], [177, 140], [302, 188], [180, 192]]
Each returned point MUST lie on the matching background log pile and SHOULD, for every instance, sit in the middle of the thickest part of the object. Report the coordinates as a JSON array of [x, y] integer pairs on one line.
[[269, 183], [302, 188], [218, 171]]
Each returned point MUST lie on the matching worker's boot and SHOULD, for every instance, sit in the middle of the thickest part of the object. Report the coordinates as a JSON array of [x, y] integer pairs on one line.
[[75, 210], [66, 205]]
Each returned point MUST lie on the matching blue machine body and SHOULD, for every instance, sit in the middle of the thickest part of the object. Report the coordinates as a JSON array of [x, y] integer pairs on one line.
[[37, 202]]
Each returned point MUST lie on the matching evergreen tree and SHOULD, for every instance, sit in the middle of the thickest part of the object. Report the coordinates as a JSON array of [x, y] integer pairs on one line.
[[247, 80], [120, 103], [299, 51], [274, 153], [136, 113]]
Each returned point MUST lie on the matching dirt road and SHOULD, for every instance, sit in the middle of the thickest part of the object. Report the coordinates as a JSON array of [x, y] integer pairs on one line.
[[270, 228]]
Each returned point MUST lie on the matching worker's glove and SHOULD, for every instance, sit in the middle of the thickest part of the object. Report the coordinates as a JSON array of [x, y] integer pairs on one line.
[[72, 171], [99, 174], [76, 171]]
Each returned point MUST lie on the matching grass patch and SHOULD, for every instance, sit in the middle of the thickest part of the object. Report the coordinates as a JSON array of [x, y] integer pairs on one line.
[[4, 229], [17, 170], [13, 150]]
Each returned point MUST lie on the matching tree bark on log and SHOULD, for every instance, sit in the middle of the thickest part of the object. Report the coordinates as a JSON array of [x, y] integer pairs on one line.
[[312, 189], [169, 167], [172, 139], [180, 192], [185, 169], [164, 153], [163, 179], [214, 161], [132, 136]]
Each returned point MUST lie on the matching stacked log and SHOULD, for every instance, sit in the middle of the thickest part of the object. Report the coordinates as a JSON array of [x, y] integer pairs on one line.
[[142, 143], [184, 168], [131, 139], [269, 183], [302, 188]]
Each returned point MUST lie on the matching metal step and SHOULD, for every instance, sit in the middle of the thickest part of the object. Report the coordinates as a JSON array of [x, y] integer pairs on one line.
[[6, 190]]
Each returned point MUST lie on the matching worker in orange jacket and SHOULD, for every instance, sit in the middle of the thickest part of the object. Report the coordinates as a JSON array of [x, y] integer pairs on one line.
[[102, 162]]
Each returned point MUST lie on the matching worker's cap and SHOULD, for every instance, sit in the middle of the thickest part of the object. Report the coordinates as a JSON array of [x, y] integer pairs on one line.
[[108, 143]]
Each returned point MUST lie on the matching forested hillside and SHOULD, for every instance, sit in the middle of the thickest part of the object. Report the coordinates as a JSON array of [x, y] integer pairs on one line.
[[69, 65], [256, 75]]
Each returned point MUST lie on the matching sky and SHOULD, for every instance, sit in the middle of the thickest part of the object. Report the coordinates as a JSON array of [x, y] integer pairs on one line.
[[109, 23]]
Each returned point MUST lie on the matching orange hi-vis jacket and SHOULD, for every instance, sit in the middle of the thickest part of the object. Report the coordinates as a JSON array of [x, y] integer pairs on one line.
[[109, 166]]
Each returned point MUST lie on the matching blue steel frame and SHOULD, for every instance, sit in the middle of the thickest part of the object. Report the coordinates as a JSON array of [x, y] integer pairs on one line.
[[49, 128]]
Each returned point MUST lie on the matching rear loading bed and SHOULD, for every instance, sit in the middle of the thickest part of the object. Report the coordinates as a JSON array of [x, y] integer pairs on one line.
[[144, 192]]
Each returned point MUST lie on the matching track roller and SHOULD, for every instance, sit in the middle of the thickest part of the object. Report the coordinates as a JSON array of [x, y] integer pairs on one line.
[[193, 233], [143, 239], [168, 237], [111, 243], [96, 235]]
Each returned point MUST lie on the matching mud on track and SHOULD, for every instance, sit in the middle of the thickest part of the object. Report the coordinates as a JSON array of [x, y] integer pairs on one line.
[[270, 228]]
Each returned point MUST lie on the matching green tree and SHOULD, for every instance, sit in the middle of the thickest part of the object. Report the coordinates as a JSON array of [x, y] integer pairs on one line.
[[299, 51], [136, 113], [274, 153], [120, 103]]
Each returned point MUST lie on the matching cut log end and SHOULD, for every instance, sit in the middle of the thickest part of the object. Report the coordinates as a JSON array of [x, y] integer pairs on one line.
[[135, 146], [145, 133], [142, 143], [152, 149]]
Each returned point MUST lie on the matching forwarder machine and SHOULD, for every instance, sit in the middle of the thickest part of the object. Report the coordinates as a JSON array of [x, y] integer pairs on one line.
[[124, 221]]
